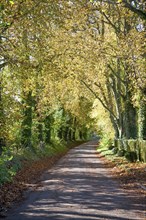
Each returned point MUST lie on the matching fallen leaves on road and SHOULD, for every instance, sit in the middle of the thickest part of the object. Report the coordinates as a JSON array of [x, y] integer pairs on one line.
[[27, 177], [30, 173], [132, 176]]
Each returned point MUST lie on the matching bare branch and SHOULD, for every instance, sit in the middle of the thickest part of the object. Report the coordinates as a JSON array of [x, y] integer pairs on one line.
[[101, 101]]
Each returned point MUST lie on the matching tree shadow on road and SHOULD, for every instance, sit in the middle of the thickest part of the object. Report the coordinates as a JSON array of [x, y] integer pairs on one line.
[[79, 187]]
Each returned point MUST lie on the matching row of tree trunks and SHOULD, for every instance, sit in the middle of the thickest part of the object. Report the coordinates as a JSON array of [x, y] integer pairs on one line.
[[71, 131]]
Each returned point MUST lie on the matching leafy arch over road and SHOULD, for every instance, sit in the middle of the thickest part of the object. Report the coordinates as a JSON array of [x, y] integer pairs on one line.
[[65, 64], [138, 7]]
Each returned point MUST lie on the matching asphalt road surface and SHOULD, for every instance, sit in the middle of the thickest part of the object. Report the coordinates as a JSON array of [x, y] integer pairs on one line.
[[78, 187]]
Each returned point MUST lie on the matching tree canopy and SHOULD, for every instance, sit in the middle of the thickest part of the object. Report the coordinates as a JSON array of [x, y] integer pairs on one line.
[[66, 64]]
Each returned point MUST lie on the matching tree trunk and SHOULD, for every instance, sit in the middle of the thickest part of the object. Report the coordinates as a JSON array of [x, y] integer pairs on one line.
[[60, 133], [85, 134], [80, 135], [70, 134], [74, 135], [26, 127], [116, 127], [2, 116], [74, 129], [48, 129], [40, 131], [130, 125], [142, 121], [65, 135], [2, 121]]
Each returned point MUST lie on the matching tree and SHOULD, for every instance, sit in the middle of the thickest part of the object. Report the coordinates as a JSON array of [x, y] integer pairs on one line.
[[63, 60], [135, 6]]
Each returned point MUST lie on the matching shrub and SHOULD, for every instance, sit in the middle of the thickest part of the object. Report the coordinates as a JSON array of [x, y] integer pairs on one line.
[[6, 170], [115, 150], [106, 141], [136, 146], [121, 153], [111, 147], [131, 156]]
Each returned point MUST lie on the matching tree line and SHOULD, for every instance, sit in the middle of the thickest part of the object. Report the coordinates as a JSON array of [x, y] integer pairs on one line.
[[68, 66]]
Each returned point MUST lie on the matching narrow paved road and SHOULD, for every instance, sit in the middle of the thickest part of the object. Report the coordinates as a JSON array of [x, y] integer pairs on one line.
[[78, 187]]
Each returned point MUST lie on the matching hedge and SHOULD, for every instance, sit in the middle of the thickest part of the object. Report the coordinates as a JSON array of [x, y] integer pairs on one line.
[[132, 146]]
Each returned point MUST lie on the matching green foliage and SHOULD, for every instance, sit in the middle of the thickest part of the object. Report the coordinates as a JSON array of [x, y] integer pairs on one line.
[[106, 141], [7, 170], [45, 150], [115, 150], [137, 147], [27, 121], [131, 156], [11, 162], [105, 145], [141, 150], [52, 90], [121, 153], [111, 147]]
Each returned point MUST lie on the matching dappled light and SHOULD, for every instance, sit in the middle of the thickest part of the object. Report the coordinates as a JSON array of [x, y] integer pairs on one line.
[[71, 72], [78, 189]]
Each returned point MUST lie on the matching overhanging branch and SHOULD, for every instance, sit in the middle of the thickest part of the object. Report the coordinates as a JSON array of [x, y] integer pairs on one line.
[[101, 101]]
